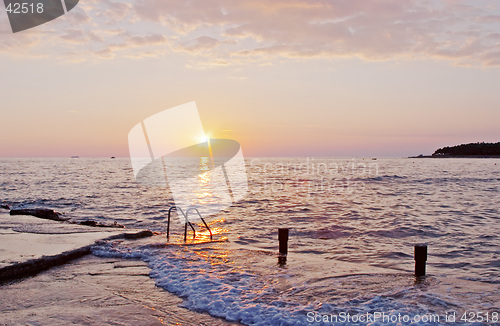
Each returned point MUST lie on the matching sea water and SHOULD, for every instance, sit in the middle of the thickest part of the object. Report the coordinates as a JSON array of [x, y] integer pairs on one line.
[[353, 224]]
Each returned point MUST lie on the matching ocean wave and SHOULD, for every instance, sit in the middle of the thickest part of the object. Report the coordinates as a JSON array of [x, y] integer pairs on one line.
[[257, 298], [222, 292]]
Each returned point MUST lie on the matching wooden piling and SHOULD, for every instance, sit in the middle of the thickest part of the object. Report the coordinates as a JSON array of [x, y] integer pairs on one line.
[[283, 245], [420, 256]]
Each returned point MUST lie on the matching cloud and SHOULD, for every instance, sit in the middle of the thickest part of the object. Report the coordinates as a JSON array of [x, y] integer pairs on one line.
[[237, 31], [458, 31], [201, 43]]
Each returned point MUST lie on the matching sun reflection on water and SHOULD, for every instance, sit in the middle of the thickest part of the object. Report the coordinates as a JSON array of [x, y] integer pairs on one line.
[[214, 257], [205, 193]]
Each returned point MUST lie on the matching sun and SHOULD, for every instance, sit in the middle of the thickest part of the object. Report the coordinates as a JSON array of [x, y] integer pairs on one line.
[[203, 139]]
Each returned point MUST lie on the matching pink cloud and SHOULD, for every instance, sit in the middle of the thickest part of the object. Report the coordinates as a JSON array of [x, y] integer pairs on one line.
[[235, 31], [374, 30]]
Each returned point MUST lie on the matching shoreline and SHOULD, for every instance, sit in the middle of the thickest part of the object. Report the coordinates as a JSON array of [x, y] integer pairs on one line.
[[96, 291], [455, 156], [63, 282]]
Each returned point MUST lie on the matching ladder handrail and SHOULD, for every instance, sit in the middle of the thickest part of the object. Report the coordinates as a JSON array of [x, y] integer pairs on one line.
[[177, 208], [198, 212]]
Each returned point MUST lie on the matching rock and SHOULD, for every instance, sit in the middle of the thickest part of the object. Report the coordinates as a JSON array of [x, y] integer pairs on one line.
[[132, 236], [138, 235], [44, 213], [5, 207], [101, 225], [89, 223], [116, 225]]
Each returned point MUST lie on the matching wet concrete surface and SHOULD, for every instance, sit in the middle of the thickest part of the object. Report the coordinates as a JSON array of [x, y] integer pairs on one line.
[[95, 291], [24, 238]]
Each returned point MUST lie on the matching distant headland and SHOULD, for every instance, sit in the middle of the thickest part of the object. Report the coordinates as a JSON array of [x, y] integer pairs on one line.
[[472, 150]]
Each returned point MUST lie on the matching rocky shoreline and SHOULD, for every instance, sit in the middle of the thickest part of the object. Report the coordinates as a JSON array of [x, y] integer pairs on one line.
[[50, 214], [455, 156]]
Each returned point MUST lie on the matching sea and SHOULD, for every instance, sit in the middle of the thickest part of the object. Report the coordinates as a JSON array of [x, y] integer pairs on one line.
[[353, 224]]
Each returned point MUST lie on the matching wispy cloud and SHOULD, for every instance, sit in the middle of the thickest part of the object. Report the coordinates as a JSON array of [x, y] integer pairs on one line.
[[214, 32]]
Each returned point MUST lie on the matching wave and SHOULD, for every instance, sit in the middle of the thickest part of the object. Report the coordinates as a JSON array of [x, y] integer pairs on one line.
[[221, 291], [270, 296]]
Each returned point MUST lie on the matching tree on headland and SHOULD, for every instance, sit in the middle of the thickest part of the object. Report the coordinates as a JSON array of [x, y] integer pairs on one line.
[[472, 149]]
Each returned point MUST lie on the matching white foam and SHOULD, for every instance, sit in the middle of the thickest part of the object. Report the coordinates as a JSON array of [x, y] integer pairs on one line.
[[251, 298], [235, 296]]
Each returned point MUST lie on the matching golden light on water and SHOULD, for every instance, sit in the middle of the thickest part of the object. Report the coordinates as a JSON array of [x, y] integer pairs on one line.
[[215, 257], [203, 233], [204, 193], [204, 176]]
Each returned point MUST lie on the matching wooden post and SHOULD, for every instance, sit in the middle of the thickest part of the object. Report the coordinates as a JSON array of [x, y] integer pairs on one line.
[[420, 259], [283, 240]]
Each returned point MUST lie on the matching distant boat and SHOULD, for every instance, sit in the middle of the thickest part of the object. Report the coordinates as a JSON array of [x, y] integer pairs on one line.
[[374, 159], [75, 156], [113, 157]]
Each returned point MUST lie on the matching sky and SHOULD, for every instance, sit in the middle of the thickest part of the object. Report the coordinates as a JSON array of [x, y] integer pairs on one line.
[[283, 77]]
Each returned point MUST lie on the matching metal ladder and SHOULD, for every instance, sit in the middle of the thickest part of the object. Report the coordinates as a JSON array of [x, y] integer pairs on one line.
[[186, 221]]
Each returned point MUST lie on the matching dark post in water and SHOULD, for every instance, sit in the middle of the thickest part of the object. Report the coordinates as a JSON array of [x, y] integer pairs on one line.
[[283, 240], [420, 259]]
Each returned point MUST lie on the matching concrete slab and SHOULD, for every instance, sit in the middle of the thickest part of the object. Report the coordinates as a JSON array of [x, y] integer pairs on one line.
[[28, 243], [20, 247]]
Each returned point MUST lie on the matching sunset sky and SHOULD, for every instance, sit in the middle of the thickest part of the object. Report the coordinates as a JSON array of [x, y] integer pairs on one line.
[[282, 77]]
